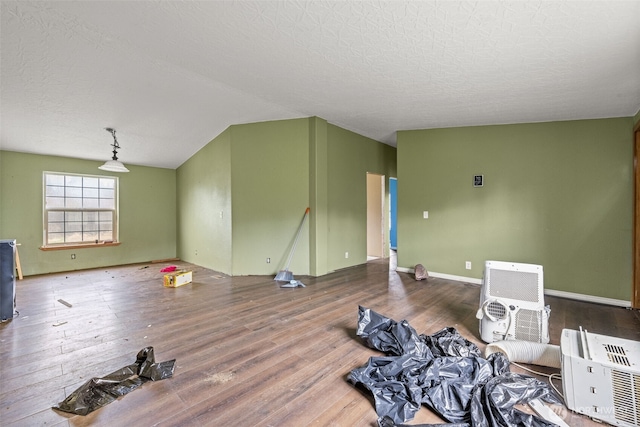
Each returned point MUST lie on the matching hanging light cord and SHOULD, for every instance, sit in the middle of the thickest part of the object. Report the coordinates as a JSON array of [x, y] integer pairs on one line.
[[115, 143]]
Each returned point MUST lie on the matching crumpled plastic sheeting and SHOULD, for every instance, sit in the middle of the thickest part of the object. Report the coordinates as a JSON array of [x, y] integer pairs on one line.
[[98, 392], [445, 372], [386, 421]]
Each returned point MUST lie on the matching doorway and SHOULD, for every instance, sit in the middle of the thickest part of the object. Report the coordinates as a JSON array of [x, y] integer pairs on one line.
[[393, 214], [375, 216]]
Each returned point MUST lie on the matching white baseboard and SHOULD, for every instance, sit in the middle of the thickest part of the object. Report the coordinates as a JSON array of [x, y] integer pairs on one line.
[[456, 278], [588, 298], [443, 276], [551, 292]]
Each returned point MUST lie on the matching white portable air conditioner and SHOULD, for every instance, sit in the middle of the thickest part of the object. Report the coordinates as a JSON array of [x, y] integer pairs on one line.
[[601, 377], [512, 303]]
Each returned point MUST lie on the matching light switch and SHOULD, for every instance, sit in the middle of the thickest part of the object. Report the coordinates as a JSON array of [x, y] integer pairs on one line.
[[425, 214]]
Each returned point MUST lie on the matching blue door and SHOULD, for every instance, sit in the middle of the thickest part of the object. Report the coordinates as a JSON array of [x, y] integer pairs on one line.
[[393, 214]]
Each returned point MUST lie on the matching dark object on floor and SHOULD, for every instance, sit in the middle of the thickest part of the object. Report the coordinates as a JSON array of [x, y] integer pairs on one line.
[[63, 302], [98, 392], [420, 272], [445, 372]]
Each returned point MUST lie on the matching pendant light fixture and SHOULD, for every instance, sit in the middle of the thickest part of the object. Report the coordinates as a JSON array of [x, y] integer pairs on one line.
[[114, 165]]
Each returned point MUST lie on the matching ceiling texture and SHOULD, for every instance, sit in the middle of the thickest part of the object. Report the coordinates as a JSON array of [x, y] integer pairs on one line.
[[170, 76]]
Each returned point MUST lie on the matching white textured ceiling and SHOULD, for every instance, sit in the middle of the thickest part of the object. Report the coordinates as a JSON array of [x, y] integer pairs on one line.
[[169, 76]]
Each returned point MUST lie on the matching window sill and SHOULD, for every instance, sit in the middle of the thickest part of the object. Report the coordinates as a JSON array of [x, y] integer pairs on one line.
[[78, 246]]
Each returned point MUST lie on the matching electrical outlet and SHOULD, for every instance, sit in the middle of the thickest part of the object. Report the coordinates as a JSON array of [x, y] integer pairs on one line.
[[196, 252], [73, 256], [346, 254], [467, 265], [268, 260]]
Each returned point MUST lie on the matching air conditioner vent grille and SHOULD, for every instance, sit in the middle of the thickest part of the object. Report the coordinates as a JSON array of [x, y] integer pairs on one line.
[[619, 360], [528, 325], [497, 310], [517, 285], [616, 354], [626, 397]]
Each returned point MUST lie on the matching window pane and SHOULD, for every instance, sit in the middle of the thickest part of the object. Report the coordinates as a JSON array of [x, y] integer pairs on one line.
[[90, 203], [54, 202], [106, 193], [106, 226], [89, 181], [107, 204], [56, 216], [73, 203], [90, 192], [90, 226], [106, 235], [73, 192], [73, 181], [73, 226], [54, 190], [73, 216], [73, 237], [90, 236], [52, 179], [55, 227], [56, 238], [107, 183], [106, 216], [90, 216]]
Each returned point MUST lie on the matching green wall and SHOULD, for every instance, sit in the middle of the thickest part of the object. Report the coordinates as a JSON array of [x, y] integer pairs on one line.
[[557, 194], [147, 213], [263, 176], [350, 157], [270, 192], [204, 206]]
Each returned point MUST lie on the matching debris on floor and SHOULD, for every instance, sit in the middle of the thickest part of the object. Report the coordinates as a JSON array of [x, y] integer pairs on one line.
[[63, 302], [178, 278], [98, 392], [293, 284], [420, 272], [169, 269], [446, 373]]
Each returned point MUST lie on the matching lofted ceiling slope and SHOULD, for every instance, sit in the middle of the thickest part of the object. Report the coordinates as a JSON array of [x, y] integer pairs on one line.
[[169, 76]]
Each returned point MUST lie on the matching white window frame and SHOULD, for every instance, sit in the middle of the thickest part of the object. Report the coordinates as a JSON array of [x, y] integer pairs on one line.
[[79, 209]]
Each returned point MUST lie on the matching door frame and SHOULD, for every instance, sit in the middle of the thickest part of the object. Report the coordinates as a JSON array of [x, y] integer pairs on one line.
[[375, 215], [635, 296]]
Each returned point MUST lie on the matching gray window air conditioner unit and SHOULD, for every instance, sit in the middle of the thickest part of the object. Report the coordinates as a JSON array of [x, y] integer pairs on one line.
[[512, 303], [601, 377]]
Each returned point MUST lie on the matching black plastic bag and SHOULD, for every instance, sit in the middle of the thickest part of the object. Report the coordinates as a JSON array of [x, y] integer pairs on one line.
[[390, 336], [394, 382], [98, 392], [388, 422], [492, 405], [445, 372]]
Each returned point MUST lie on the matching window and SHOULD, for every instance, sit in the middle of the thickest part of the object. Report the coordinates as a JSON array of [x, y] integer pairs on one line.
[[79, 209]]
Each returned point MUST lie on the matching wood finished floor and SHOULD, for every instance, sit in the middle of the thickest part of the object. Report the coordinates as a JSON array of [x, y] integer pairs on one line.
[[248, 352]]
